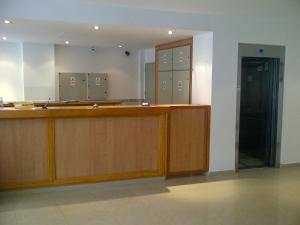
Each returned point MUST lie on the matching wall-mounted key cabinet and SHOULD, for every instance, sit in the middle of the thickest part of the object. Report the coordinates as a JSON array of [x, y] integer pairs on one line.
[[83, 86], [97, 86], [173, 72], [165, 60]]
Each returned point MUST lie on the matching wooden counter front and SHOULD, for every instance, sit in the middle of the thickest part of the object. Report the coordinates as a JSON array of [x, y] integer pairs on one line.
[[23, 151], [90, 147], [188, 140], [67, 145]]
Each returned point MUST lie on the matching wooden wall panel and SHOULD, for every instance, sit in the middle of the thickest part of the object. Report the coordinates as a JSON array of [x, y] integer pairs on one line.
[[188, 140], [23, 151], [88, 147]]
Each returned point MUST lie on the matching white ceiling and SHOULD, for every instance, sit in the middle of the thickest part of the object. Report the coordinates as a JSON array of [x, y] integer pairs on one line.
[[55, 21], [275, 8], [85, 35]]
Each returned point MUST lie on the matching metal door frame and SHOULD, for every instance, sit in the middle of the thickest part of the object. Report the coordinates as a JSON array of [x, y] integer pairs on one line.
[[260, 51]]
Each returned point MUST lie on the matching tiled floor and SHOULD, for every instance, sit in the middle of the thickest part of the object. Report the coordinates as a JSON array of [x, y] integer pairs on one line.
[[247, 161], [251, 197]]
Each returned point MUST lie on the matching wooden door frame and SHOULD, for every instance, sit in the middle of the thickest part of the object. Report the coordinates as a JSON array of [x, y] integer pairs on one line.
[[174, 44]]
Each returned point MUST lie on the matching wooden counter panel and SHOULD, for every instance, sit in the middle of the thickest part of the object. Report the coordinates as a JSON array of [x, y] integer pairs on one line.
[[88, 147], [23, 151], [188, 140]]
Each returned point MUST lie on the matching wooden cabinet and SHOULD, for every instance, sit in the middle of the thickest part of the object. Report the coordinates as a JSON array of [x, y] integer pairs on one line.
[[165, 85], [165, 62], [182, 58], [188, 140], [181, 85]]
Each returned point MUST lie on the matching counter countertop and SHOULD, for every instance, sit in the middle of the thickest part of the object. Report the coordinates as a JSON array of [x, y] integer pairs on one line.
[[70, 103], [85, 111]]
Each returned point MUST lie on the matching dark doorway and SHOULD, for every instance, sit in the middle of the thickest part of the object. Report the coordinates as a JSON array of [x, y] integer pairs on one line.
[[258, 112]]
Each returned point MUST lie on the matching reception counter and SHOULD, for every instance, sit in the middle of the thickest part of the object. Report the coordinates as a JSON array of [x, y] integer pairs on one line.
[[81, 144]]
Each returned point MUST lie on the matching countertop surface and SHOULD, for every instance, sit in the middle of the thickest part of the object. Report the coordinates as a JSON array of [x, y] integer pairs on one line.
[[68, 103], [78, 111]]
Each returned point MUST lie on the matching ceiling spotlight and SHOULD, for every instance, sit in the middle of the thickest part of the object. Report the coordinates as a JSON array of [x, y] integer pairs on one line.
[[96, 27], [120, 46], [4, 38], [67, 42], [7, 22], [170, 32]]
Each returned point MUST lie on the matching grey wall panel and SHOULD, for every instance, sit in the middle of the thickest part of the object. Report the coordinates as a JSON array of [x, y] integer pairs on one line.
[[149, 82], [97, 86], [165, 87], [181, 83], [181, 58], [165, 60], [72, 86]]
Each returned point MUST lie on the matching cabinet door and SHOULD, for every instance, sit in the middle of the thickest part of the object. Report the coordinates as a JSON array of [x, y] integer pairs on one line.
[[165, 87], [181, 84], [72, 86], [181, 58], [97, 86], [165, 60]]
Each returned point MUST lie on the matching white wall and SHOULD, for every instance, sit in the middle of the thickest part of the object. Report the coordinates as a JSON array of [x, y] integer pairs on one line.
[[123, 71], [38, 69], [275, 24], [227, 35], [11, 75], [28, 71], [202, 68], [149, 55]]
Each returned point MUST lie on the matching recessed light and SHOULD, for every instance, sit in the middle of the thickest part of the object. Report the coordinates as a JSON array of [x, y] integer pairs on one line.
[[67, 42], [170, 32], [120, 46], [7, 22], [96, 27], [4, 38]]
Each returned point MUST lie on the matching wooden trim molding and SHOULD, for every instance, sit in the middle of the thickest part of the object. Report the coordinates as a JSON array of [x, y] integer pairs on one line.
[[51, 149], [175, 44], [191, 72], [156, 77], [163, 142]]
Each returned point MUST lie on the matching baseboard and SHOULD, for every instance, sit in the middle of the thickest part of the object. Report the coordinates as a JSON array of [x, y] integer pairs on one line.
[[218, 173], [98, 185], [290, 165]]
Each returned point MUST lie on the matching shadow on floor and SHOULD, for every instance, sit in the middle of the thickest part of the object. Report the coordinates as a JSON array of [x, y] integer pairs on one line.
[[106, 191]]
